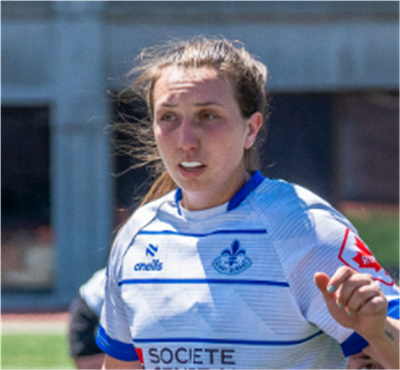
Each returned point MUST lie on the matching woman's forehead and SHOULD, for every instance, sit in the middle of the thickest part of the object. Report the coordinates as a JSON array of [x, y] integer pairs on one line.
[[180, 81]]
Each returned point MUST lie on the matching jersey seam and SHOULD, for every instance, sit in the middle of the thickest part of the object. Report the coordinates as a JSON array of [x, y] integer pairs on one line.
[[142, 226], [261, 217]]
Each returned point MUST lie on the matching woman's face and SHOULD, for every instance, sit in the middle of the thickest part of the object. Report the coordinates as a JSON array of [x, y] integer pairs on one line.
[[201, 134]]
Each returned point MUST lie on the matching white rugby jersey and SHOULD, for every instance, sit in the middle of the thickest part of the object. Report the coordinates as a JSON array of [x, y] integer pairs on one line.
[[232, 287]]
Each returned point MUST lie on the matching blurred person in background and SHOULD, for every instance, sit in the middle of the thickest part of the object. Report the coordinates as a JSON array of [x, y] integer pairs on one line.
[[86, 307], [85, 312]]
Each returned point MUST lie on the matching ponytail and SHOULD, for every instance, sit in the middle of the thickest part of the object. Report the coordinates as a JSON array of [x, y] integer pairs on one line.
[[163, 185]]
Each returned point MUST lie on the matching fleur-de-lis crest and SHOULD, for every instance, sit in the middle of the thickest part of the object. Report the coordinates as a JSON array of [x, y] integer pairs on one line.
[[233, 253], [232, 260]]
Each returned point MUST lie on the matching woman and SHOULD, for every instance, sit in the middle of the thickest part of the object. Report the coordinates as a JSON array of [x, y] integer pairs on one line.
[[222, 272]]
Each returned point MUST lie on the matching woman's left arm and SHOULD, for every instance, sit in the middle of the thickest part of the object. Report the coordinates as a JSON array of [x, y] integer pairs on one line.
[[355, 301]]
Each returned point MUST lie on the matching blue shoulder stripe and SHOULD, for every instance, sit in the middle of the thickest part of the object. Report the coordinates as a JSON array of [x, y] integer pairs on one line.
[[120, 351], [241, 195]]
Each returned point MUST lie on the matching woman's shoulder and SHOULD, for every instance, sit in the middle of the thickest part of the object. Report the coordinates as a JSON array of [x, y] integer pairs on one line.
[[289, 207], [147, 212], [284, 196], [139, 219]]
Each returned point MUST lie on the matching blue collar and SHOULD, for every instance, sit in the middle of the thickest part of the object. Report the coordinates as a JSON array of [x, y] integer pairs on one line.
[[238, 198]]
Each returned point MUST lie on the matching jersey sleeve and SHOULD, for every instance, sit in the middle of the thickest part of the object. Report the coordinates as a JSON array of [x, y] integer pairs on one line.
[[333, 243], [310, 236], [113, 335]]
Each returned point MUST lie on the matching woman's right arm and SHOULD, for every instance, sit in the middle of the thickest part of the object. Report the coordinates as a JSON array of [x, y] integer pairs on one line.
[[113, 363]]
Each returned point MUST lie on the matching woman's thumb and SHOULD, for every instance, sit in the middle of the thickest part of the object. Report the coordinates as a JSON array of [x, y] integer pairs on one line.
[[321, 281]]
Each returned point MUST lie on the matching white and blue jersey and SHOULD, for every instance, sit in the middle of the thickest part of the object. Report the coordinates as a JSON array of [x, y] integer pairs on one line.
[[232, 286]]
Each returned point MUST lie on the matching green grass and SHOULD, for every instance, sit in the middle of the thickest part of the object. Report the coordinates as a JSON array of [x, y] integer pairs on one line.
[[380, 231], [35, 351]]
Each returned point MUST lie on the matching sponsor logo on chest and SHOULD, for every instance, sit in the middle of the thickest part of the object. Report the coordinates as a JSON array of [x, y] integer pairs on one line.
[[231, 261], [153, 265], [190, 357]]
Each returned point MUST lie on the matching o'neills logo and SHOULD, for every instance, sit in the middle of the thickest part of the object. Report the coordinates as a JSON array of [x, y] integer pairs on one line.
[[192, 357], [154, 265]]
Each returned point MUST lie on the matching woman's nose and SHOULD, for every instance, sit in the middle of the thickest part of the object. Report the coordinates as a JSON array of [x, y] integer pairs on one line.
[[188, 138]]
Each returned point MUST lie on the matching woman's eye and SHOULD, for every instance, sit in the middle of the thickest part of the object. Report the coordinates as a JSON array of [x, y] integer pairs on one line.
[[168, 117], [209, 116]]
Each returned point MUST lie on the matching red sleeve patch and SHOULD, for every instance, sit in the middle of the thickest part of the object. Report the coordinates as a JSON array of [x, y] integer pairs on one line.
[[355, 254]]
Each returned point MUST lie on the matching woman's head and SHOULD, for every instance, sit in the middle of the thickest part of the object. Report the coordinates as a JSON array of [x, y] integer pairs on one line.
[[201, 134], [239, 76], [247, 75]]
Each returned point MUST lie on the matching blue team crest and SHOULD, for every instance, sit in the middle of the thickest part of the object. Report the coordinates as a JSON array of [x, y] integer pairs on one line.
[[232, 261]]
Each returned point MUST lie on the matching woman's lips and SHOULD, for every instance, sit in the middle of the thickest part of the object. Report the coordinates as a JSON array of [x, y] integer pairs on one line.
[[191, 168]]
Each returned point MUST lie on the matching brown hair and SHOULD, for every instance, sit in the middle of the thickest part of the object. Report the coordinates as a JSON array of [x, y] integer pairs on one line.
[[163, 185], [230, 59]]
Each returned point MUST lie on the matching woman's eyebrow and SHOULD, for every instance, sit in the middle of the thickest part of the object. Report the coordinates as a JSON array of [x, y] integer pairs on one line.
[[208, 103], [168, 105]]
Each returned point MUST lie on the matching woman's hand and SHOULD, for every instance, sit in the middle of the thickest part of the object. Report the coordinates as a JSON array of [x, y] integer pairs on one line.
[[354, 301]]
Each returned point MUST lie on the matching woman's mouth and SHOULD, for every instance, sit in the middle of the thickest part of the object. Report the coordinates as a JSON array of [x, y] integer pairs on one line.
[[191, 168]]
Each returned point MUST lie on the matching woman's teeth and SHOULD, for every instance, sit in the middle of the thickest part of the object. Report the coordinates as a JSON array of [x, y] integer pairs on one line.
[[191, 164]]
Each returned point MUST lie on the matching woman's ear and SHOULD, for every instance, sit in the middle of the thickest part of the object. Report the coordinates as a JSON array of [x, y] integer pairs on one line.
[[254, 124]]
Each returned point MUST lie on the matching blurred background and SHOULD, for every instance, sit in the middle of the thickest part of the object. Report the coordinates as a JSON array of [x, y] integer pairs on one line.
[[334, 124]]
